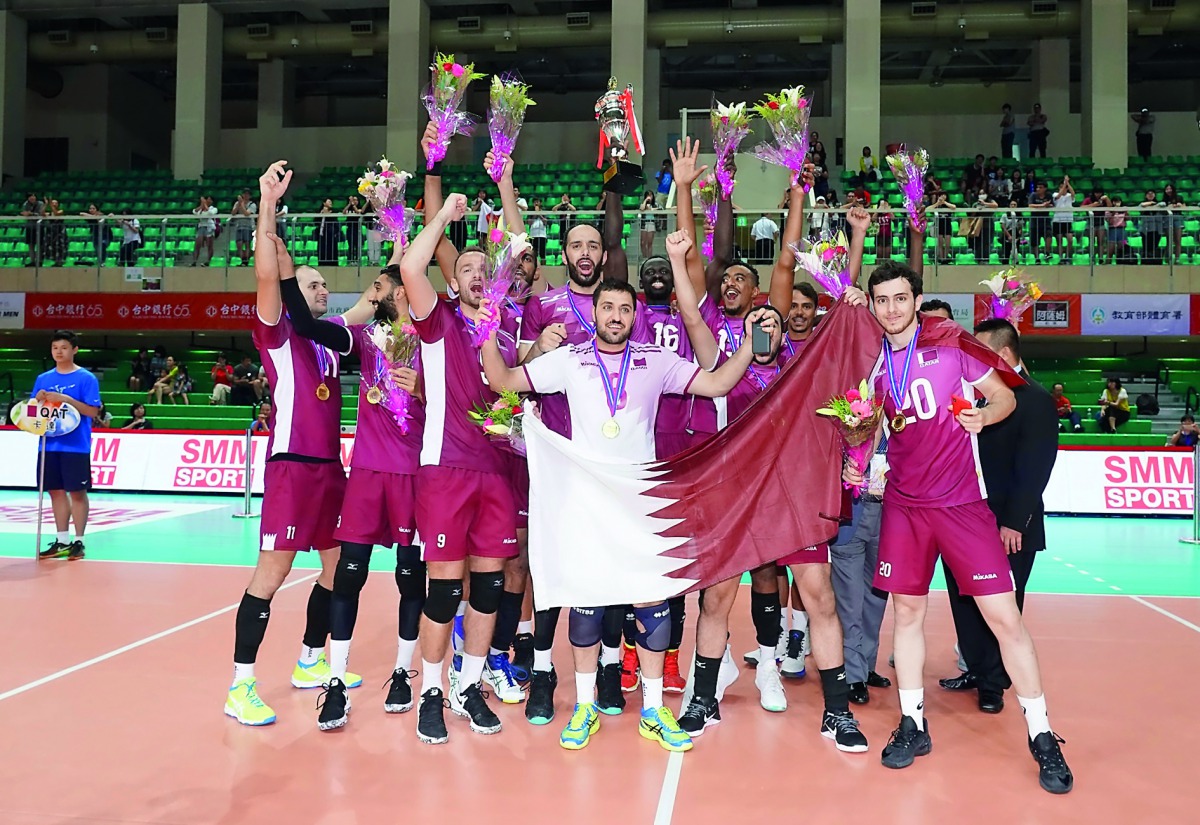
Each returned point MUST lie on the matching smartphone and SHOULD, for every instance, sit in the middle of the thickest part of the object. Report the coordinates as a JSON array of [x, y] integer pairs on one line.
[[760, 339]]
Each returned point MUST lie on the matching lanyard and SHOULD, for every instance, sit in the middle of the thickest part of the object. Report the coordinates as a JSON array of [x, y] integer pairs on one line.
[[762, 385], [590, 329], [734, 343], [901, 401], [613, 394]]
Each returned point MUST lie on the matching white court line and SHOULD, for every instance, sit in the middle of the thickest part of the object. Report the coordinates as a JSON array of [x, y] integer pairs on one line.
[[17, 691], [1166, 612], [670, 785]]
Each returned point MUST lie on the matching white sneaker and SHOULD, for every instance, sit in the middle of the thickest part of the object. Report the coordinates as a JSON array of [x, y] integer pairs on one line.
[[793, 668], [750, 657], [781, 646], [806, 643], [770, 688], [503, 683], [727, 674]]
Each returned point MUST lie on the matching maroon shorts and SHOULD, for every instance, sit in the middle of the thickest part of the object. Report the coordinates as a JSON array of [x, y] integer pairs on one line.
[[910, 539], [520, 491], [380, 508], [301, 503], [669, 444], [464, 513], [807, 555]]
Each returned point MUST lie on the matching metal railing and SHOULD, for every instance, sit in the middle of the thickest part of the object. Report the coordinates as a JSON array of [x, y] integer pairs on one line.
[[1191, 400]]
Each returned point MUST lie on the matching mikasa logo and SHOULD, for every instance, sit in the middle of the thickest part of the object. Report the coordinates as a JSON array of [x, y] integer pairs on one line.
[[982, 577]]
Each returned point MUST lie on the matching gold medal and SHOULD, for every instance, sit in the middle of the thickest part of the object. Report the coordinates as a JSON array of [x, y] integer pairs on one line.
[[322, 392], [611, 428], [899, 423], [374, 396]]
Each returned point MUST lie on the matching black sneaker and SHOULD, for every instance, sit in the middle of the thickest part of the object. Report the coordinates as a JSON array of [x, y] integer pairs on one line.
[[56, 550], [539, 704], [842, 728], [334, 705], [472, 705], [609, 699], [431, 723], [399, 698], [522, 662], [75, 553], [795, 644], [906, 744], [701, 713], [1053, 774]]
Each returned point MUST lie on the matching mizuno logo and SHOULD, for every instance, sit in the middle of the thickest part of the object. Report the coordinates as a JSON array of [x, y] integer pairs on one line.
[[266, 614], [352, 566]]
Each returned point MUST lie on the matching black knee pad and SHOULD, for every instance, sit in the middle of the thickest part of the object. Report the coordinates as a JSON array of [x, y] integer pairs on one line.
[[442, 602], [764, 611], [486, 590], [654, 626], [410, 572], [350, 576], [585, 626]]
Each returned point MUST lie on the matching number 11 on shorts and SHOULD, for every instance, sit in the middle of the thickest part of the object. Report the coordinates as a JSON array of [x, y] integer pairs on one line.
[[291, 532]]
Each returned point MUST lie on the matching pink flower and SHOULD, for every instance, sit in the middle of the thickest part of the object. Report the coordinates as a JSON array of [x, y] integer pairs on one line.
[[860, 408], [499, 405], [801, 103], [487, 422], [457, 70], [1013, 284], [725, 120], [853, 395], [496, 235], [828, 254]]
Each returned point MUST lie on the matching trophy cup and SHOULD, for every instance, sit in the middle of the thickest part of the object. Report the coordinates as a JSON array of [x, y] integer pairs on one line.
[[618, 125]]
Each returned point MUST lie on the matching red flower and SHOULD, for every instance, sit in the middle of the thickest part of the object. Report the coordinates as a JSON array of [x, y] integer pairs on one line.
[[447, 66], [771, 104], [517, 409]]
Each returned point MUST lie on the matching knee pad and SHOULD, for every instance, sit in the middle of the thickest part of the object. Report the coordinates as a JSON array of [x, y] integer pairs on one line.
[[350, 576], [486, 590], [654, 626], [442, 602], [764, 610], [410, 572], [585, 626]]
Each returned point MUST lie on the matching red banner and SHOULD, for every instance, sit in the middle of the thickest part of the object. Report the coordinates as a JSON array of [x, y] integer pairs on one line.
[[1195, 314], [1056, 314], [193, 311]]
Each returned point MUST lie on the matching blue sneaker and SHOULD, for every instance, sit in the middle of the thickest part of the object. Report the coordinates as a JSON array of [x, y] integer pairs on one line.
[[458, 635], [659, 725], [499, 674], [584, 722]]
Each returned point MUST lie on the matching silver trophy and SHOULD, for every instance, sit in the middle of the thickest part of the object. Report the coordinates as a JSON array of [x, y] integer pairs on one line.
[[621, 176]]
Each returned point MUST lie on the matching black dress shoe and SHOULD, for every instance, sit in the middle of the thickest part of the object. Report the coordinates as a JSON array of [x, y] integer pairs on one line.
[[991, 701], [858, 693], [965, 681], [876, 681]]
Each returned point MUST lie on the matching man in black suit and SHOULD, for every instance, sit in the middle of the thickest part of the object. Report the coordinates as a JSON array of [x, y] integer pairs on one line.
[[1017, 456]]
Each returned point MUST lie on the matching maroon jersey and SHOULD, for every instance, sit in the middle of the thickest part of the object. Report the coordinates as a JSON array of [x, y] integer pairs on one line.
[[753, 382], [301, 423], [380, 443]]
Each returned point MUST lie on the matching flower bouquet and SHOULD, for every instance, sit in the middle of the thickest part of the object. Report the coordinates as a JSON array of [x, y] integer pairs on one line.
[[730, 125], [393, 345], [1011, 295], [385, 190], [708, 193], [502, 421], [443, 100], [504, 251], [908, 168], [858, 414], [510, 99], [827, 261], [787, 114]]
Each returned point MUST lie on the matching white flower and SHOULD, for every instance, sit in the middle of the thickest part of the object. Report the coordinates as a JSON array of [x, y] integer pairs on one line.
[[518, 244], [379, 336], [385, 164], [733, 111], [996, 283]]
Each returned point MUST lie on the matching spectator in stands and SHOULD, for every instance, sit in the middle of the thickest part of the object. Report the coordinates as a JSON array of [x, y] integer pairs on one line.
[[1039, 224], [131, 239], [538, 231], [1007, 131], [102, 418], [1012, 228], [1014, 187], [159, 362], [821, 180], [665, 178], [374, 236], [883, 232], [261, 422], [1144, 133], [327, 235], [222, 377], [181, 385], [1037, 131], [206, 231], [1031, 183], [281, 220], [938, 308], [54, 234], [764, 232], [1117, 248], [937, 201], [1114, 406], [1066, 412], [247, 387], [975, 175], [140, 370], [818, 220], [1097, 221], [1174, 220], [164, 381], [100, 232], [137, 418], [1064, 213], [983, 232], [817, 148], [242, 216], [483, 205], [32, 210], [1152, 226], [1187, 435], [868, 168], [649, 224], [353, 228]]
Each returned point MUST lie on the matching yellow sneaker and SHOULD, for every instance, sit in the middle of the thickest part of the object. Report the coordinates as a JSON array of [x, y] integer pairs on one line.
[[243, 704], [584, 722], [659, 725], [317, 675]]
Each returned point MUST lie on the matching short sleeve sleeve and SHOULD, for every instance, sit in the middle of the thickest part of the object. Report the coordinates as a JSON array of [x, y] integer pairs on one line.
[[677, 373], [973, 369], [532, 322], [548, 373], [39, 385], [641, 325], [91, 391], [432, 328], [271, 336]]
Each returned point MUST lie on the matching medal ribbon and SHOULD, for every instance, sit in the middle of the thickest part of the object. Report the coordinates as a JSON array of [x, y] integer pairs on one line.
[[909, 351], [323, 360], [470, 324], [589, 328], [762, 385], [613, 394], [734, 343]]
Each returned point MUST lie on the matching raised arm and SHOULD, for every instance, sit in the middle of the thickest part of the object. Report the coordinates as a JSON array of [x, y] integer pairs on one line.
[[499, 375], [325, 333], [859, 220], [724, 378], [722, 248], [508, 196], [616, 262], [445, 253], [271, 187], [916, 243], [703, 342], [784, 272], [683, 158], [422, 297]]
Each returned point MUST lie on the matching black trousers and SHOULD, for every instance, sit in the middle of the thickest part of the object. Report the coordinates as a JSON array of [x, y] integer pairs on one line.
[[1144, 143], [976, 642]]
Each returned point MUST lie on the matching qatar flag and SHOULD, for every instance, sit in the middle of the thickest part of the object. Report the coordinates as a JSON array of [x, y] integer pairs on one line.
[[604, 532]]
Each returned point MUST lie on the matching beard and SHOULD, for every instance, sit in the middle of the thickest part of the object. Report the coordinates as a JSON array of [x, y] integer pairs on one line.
[[386, 312], [585, 281], [656, 294], [614, 339]]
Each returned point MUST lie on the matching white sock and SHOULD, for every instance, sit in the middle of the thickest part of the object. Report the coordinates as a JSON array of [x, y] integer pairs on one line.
[[609, 655], [64, 537], [404, 654], [431, 676], [652, 692], [472, 670], [542, 661], [525, 627], [912, 704], [800, 620], [339, 658], [1036, 717], [241, 672], [585, 688], [766, 654], [309, 655]]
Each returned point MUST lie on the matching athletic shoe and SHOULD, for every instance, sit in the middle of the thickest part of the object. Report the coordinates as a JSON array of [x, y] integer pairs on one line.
[[75, 553], [317, 675], [243, 704], [584, 722], [609, 699], [659, 725], [498, 673], [906, 744], [539, 707], [700, 714], [471, 704], [781, 645], [842, 728], [455, 674], [793, 659], [673, 682], [334, 706], [56, 550], [431, 722], [727, 674], [399, 698], [522, 661], [805, 643], [629, 670], [770, 689], [1053, 774], [458, 635]]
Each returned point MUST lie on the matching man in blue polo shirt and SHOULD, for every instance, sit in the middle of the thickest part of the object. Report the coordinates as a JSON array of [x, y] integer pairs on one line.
[[68, 457]]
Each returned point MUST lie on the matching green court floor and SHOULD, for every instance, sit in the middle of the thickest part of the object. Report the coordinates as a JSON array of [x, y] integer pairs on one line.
[[1129, 556]]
